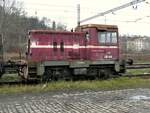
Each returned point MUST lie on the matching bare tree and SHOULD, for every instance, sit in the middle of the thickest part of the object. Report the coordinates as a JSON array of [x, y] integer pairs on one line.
[[14, 25]]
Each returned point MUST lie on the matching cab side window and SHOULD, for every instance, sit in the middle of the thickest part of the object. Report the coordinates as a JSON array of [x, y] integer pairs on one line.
[[114, 39], [101, 37], [107, 37]]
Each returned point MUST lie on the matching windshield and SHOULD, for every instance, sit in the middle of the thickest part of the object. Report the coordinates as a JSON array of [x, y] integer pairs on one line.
[[107, 37]]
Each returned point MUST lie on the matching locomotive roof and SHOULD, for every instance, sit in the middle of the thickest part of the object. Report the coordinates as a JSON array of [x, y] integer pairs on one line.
[[52, 31], [98, 26]]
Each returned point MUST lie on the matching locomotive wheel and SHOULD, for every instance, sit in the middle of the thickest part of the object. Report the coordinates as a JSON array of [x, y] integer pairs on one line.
[[104, 74], [92, 74], [67, 74], [47, 76]]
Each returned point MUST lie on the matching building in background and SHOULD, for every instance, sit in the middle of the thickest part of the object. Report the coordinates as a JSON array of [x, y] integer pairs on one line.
[[135, 44]]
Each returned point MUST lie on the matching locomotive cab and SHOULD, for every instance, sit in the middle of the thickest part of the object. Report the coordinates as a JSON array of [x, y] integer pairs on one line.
[[102, 49], [101, 42]]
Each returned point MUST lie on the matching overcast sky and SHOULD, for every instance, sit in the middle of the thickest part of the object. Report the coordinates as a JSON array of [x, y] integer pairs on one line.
[[65, 11]]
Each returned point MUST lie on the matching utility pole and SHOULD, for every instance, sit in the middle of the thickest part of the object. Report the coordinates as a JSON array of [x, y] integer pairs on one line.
[[1, 26], [105, 19], [2, 15], [113, 10], [78, 14]]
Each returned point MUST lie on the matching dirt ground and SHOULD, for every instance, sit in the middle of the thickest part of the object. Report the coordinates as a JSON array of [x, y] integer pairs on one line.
[[78, 101]]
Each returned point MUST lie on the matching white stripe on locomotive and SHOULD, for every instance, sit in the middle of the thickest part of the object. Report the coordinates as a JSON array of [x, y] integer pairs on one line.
[[72, 46]]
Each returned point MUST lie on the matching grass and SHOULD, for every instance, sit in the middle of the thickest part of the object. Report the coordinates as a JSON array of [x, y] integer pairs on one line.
[[117, 83]]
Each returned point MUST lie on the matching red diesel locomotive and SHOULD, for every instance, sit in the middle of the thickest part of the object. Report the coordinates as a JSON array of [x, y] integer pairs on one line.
[[91, 51]]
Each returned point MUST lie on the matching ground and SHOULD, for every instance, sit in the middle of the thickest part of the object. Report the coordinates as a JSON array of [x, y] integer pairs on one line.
[[78, 101]]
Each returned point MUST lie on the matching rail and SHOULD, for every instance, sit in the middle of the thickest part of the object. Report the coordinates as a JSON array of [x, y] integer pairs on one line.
[[139, 66]]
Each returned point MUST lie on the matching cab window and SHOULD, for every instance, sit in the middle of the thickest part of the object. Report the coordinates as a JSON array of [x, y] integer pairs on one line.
[[107, 37], [101, 37], [114, 37]]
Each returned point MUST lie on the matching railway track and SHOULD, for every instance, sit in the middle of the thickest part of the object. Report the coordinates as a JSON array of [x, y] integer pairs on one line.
[[137, 75], [19, 82], [134, 66], [31, 82], [139, 66]]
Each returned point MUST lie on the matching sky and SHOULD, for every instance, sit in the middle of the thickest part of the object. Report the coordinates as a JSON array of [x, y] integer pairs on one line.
[[131, 21]]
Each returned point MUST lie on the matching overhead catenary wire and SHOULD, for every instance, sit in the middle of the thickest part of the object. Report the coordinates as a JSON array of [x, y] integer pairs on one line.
[[112, 10], [60, 6], [68, 9]]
